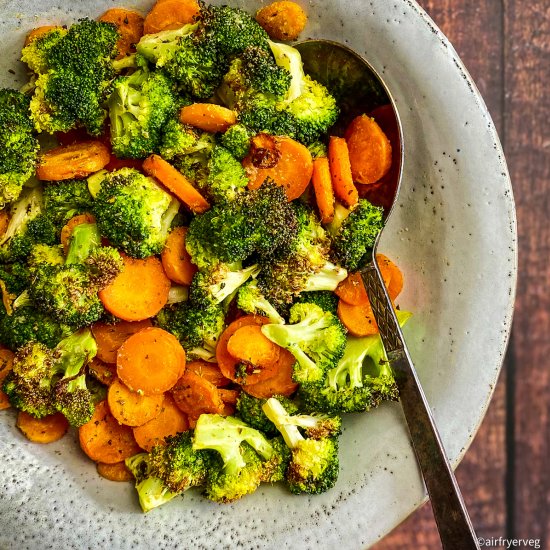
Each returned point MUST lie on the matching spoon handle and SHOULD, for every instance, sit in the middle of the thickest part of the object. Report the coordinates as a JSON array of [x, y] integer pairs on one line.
[[453, 522]]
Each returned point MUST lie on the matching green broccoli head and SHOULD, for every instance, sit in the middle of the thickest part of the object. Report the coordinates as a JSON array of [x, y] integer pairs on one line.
[[354, 233], [18, 146], [236, 139], [177, 139], [65, 96], [316, 339], [325, 299], [139, 107], [66, 199], [14, 277], [133, 212]]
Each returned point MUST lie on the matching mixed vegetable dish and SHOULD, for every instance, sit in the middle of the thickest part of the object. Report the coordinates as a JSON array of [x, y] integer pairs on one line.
[[178, 270]]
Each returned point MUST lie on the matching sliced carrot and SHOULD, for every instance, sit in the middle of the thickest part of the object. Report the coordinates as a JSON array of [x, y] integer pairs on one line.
[[322, 185], [4, 221], [131, 408], [42, 430], [170, 14], [207, 370], [290, 165], [78, 160], [109, 337], [208, 117], [140, 291], [170, 421], [229, 397], [392, 275], [340, 171], [195, 395], [352, 290], [176, 261], [114, 472], [6, 364], [68, 228], [370, 151], [175, 182], [37, 32], [282, 20], [130, 27], [103, 439], [249, 345], [104, 372], [279, 384], [359, 320], [151, 361]]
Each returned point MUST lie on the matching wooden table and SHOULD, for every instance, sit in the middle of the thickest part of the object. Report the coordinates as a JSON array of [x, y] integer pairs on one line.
[[505, 476]]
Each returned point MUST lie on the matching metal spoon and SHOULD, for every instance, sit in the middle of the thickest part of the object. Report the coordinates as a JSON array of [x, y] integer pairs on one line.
[[359, 89]]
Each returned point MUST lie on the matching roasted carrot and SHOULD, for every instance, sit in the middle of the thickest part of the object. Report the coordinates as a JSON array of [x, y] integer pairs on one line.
[[279, 384], [322, 185], [370, 151], [68, 228], [229, 397], [208, 117], [340, 172], [359, 320], [131, 408], [207, 370], [282, 20], [176, 261], [170, 421], [6, 364], [249, 345], [109, 337], [175, 182], [114, 472], [287, 162], [4, 221], [37, 32], [103, 372], [103, 439], [195, 395], [130, 28], [352, 290], [392, 275], [73, 161], [140, 291], [42, 430], [170, 14], [151, 361]]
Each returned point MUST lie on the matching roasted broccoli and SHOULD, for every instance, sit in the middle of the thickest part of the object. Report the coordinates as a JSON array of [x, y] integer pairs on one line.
[[251, 300], [66, 199], [237, 140], [249, 410], [325, 299], [179, 139], [18, 146], [133, 212]]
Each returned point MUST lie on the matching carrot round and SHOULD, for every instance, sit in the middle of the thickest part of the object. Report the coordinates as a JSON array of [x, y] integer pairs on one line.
[[42, 430], [195, 395], [109, 337], [170, 14], [208, 117], [249, 345], [175, 182], [359, 320], [279, 384], [68, 228], [229, 397], [352, 290], [392, 275], [176, 261], [290, 165], [37, 32], [209, 371], [370, 151], [282, 20], [322, 185], [73, 161], [140, 291], [6, 364], [130, 28], [103, 439], [151, 361], [340, 171], [131, 408], [170, 421], [114, 472], [104, 372]]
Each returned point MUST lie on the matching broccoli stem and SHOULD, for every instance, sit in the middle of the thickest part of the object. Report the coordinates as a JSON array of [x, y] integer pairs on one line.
[[85, 238]]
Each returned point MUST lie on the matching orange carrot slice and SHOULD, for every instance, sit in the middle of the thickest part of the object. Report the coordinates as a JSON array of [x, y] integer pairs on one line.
[[340, 171], [279, 384], [209, 371], [359, 320], [130, 27], [322, 185], [176, 261], [208, 117], [170, 14], [114, 472], [195, 395], [42, 430]]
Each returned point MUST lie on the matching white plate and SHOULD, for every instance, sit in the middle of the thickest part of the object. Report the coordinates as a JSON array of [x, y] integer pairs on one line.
[[454, 235]]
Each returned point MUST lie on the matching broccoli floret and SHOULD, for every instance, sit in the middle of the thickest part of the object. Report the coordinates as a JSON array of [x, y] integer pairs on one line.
[[44, 381], [65, 96], [249, 410], [226, 176], [316, 339], [66, 199], [177, 139], [193, 161], [198, 328], [314, 460], [68, 291], [251, 300], [18, 146], [317, 149], [325, 299], [15, 277], [237, 140], [238, 470], [361, 381], [133, 212], [354, 233], [139, 107]]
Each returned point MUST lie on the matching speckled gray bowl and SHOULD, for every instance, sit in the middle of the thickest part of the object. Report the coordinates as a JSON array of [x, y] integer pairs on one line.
[[454, 235]]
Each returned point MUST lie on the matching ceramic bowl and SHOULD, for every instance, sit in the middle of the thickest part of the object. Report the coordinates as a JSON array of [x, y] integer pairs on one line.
[[453, 234]]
